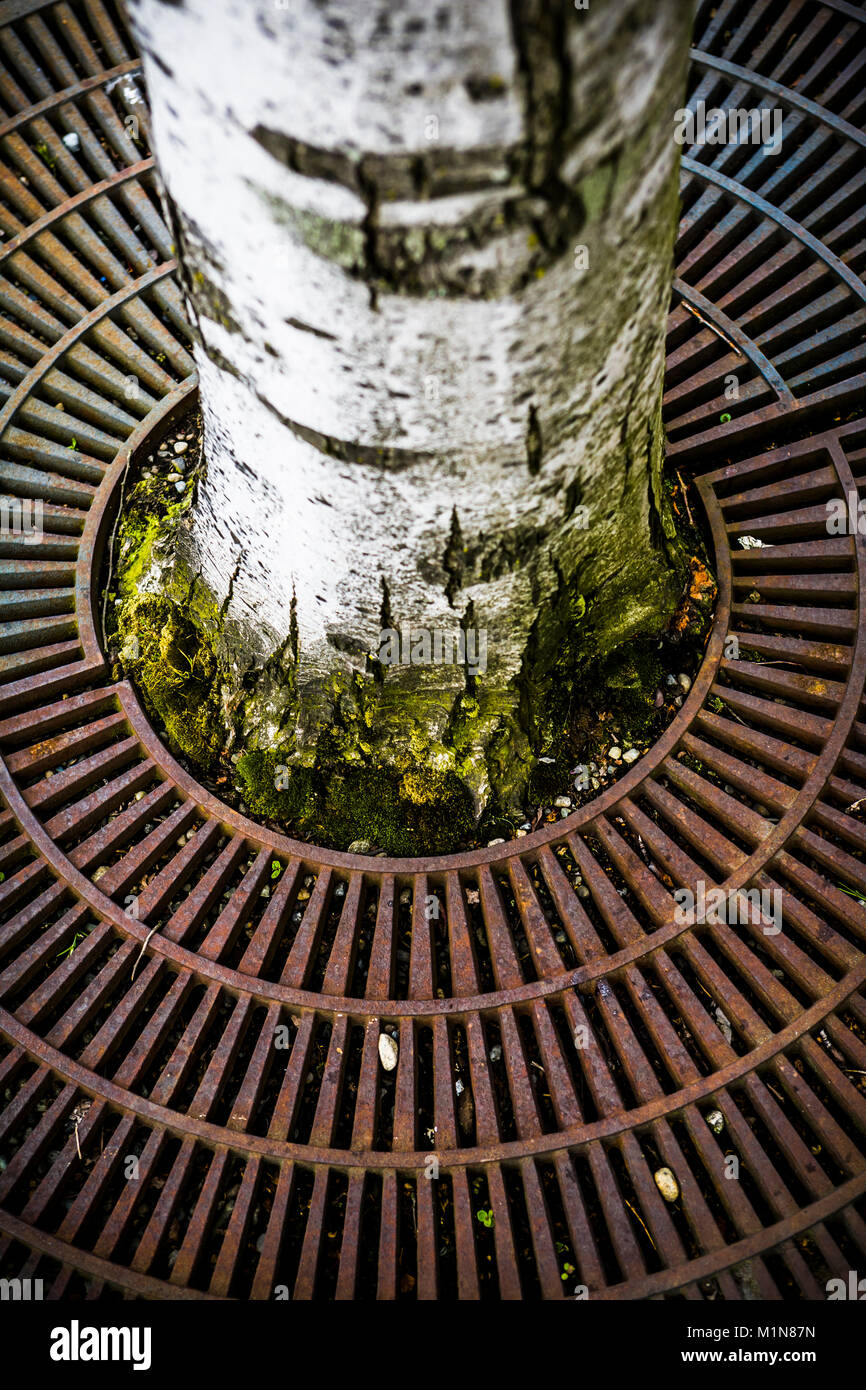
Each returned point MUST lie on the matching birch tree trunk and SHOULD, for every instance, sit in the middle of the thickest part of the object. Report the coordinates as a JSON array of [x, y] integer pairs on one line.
[[428, 250]]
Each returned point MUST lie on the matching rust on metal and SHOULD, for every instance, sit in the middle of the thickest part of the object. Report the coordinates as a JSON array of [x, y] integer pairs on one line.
[[563, 1027]]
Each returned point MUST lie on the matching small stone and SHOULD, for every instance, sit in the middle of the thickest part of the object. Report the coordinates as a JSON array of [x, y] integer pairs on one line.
[[631, 756], [563, 801], [71, 140], [615, 754], [388, 1052], [180, 447], [360, 847], [716, 1121], [666, 1184], [684, 682]]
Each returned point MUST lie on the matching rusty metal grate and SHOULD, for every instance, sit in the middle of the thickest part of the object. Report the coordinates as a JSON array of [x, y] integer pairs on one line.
[[591, 1032]]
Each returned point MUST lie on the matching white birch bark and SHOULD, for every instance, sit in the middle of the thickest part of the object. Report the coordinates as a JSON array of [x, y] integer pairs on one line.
[[411, 385]]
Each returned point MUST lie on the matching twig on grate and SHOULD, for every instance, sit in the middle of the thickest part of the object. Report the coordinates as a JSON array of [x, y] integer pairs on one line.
[[713, 329], [143, 948]]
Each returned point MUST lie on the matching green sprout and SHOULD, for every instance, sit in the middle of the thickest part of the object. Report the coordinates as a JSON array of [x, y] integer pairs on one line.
[[76, 941]]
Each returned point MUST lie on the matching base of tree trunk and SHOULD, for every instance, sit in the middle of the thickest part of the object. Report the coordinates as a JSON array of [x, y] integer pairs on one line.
[[408, 767]]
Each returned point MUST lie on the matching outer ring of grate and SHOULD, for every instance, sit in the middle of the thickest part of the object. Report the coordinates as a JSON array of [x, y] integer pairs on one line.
[[569, 1183]]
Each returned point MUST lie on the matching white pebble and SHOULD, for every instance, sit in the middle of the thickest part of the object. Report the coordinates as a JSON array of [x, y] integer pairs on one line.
[[388, 1053], [666, 1184]]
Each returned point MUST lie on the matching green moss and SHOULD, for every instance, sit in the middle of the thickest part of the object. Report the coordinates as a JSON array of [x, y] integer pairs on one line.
[[415, 813], [178, 674]]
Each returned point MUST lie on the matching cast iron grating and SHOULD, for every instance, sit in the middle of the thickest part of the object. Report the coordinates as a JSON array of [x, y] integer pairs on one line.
[[591, 1037]]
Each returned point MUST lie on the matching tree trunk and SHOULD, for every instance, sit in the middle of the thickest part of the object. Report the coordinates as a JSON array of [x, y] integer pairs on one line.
[[428, 250]]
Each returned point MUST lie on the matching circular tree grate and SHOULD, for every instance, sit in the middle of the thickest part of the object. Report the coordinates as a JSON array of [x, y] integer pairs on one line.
[[193, 1103]]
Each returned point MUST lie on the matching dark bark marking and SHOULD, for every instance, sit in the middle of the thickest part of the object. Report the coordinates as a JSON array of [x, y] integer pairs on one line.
[[534, 445], [308, 328], [453, 561]]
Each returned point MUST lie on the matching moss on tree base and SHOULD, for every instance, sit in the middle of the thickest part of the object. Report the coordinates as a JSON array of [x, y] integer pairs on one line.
[[408, 771]]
